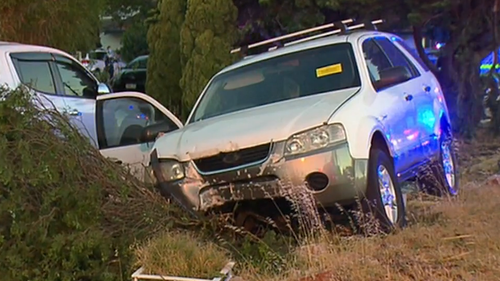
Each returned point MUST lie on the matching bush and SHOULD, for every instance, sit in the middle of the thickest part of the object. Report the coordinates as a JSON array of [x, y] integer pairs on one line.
[[67, 213], [134, 41]]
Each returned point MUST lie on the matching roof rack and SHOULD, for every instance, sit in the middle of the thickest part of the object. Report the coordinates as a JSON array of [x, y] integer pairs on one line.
[[342, 29]]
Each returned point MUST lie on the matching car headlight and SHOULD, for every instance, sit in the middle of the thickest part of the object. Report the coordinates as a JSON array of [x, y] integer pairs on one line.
[[313, 139], [171, 170]]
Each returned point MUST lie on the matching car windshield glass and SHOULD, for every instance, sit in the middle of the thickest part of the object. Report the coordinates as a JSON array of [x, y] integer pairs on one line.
[[290, 76]]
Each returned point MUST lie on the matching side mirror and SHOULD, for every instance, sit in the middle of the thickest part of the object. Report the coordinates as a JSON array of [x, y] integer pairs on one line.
[[392, 76], [150, 133], [102, 89]]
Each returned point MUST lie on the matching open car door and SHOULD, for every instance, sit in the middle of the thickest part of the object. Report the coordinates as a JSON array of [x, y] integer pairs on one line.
[[120, 121]]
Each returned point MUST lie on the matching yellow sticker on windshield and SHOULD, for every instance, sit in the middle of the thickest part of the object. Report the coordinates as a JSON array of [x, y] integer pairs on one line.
[[329, 70]]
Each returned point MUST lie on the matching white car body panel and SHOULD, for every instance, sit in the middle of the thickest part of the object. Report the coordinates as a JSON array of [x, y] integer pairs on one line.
[[279, 120], [135, 156]]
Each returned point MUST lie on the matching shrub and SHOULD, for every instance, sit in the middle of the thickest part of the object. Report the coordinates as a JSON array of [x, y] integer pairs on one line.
[[134, 41], [66, 212]]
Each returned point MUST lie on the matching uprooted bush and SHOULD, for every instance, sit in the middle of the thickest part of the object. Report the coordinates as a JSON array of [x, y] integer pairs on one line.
[[66, 212]]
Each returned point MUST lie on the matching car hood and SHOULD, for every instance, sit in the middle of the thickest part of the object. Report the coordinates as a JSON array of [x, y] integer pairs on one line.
[[250, 127]]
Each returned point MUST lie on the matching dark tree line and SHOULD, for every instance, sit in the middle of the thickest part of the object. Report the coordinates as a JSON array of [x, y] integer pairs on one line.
[[189, 40], [208, 29]]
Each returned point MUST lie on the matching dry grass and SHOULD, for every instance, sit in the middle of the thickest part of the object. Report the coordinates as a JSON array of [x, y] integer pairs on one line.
[[181, 254], [450, 240]]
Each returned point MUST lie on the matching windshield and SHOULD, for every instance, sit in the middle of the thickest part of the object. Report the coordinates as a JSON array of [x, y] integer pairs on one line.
[[140, 62], [286, 77]]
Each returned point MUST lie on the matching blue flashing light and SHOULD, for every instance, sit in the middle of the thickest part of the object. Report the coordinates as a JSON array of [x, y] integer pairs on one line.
[[426, 117]]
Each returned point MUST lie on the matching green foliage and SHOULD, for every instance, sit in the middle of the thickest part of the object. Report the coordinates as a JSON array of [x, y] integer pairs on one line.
[[68, 25], [50, 206], [134, 41], [164, 64], [67, 213], [208, 33]]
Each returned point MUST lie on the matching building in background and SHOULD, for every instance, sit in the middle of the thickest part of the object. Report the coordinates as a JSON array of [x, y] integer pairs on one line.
[[112, 30]]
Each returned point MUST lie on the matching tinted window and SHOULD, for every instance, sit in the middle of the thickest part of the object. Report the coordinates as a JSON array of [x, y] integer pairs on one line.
[[375, 58], [411, 51], [75, 80], [37, 75], [396, 57], [286, 77], [123, 120]]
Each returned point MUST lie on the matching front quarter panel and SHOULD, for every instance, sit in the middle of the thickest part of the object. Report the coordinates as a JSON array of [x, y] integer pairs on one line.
[[167, 146], [360, 131]]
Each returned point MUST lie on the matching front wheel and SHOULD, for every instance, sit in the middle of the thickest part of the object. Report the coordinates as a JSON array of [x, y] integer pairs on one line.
[[383, 206]]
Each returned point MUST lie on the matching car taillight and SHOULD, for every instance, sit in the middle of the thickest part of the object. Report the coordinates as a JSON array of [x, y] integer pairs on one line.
[[85, 62]]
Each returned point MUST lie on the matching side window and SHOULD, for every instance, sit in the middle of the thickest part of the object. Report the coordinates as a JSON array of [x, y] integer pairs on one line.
[[375, 59], [412, 52], [36, 75], [396, 57], [122, 120], [75, 80]]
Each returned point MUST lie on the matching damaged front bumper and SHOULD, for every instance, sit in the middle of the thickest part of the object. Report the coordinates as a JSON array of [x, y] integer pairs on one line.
[[331, 175]]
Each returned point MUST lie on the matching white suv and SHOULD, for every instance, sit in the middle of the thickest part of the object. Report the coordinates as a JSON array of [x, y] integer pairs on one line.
[[349, 116]]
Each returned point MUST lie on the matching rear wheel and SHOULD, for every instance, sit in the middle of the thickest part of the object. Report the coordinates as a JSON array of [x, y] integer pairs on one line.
[[443, 180], [383, 207]]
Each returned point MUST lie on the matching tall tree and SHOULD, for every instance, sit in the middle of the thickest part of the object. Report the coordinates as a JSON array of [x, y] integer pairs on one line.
[[164, 64], [469, 39], [208, 33], [68, 25]]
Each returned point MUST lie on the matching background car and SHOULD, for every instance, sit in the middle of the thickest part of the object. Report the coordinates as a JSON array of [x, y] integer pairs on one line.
[[94, 61], [132, 77]]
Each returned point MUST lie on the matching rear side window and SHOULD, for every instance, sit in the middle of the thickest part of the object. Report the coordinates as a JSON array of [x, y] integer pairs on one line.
[[395, 55], [36, 75], [412, 51]]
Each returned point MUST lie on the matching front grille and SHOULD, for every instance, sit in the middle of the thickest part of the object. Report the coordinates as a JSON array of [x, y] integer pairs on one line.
[[234, 159]]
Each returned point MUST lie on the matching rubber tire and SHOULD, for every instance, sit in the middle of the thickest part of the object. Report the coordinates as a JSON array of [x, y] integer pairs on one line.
[[437, 185], [372, 207]]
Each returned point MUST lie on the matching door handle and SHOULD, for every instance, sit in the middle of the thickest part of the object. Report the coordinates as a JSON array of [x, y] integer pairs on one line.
[[427, 89], [408, 97], [116, 160], [74, 112]]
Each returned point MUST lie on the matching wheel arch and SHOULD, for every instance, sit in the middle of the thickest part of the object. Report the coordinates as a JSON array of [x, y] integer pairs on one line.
[[378, 140]]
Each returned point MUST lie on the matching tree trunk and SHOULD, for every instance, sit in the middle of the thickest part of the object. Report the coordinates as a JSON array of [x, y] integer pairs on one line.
[[469, 99], [417, 37]]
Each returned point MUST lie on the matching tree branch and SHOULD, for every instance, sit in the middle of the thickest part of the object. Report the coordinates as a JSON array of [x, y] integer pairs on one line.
[[417, 37]]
